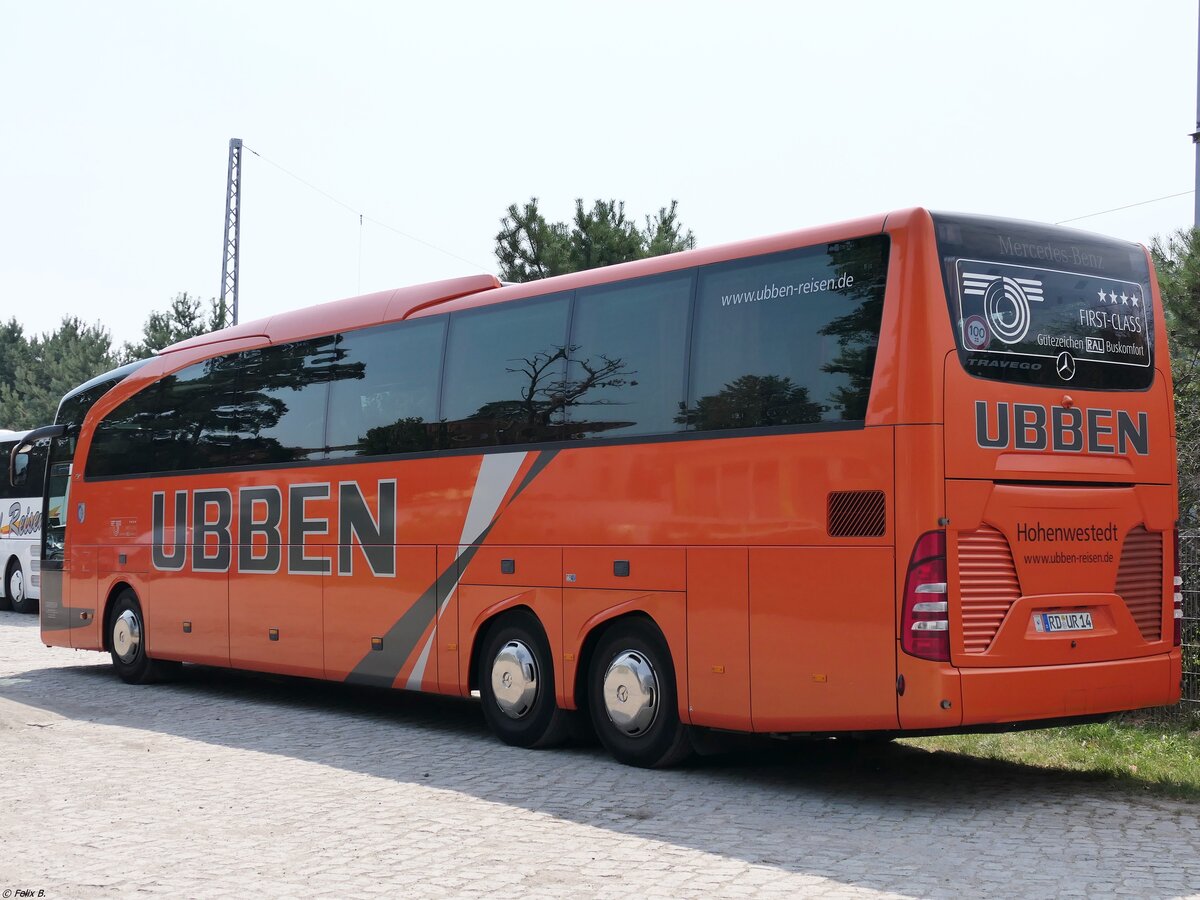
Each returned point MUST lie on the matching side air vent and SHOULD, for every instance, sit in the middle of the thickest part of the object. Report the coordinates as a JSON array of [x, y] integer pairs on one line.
[[988, 585], [1140, 580], [857, 514]]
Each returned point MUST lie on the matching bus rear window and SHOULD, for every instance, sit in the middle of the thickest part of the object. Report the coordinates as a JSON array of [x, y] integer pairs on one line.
[[1035, 304]]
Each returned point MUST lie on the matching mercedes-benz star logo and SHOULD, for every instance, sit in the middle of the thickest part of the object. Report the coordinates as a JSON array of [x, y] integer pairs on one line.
[[1066, 366]]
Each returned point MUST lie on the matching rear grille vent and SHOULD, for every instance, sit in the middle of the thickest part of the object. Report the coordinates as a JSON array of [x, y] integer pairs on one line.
[[857, 514], [988, 585], [1140, 580]]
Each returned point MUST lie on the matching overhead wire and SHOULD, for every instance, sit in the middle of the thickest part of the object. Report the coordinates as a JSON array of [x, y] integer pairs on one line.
[[412, 237], [1127, 206], [364, 217]]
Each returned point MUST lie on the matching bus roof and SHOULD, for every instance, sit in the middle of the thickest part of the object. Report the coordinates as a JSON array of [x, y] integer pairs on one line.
[[483, 290], [460, 293], [113, 375], [671, 262], [345, 315]]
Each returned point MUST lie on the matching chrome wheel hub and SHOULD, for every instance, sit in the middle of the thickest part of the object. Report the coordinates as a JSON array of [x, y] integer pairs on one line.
[[16, 585], [126, 636], [631, 692], [515, 679]]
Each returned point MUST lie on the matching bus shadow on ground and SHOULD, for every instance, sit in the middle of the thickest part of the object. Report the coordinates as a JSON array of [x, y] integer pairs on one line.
[[865, 815]]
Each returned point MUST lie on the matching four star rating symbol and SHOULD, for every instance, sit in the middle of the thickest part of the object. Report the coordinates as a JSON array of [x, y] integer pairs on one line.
[[1114, 299]]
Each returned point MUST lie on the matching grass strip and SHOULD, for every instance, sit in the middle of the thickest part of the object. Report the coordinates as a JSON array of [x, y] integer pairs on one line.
[[1163, 758]]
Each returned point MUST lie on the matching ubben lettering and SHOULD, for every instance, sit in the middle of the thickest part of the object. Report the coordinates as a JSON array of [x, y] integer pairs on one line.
[[1031, 426], [265, 528]]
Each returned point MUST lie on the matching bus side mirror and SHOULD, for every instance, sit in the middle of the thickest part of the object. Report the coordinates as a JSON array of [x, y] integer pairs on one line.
[[18, 467], [22, 450]]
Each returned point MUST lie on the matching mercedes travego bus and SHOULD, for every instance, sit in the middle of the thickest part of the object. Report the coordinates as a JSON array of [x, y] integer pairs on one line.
[[905, 474], [21, 522]]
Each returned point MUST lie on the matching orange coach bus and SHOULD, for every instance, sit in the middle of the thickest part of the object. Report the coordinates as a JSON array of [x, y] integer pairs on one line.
[[905, 474]]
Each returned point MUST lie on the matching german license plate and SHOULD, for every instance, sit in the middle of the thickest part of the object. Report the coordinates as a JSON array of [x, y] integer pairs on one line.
[[1076, 621]]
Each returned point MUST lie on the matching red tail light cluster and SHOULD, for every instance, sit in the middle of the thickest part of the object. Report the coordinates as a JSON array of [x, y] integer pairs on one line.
[[1177, 588], [925, 622]]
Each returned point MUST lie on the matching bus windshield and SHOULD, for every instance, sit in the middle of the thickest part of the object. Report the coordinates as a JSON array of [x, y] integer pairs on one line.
[[1049, 306]]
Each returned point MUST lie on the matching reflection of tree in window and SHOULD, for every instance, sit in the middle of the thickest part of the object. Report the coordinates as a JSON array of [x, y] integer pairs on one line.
[[857, 331], [404, 435], [778, 342], [264, 405], [282, 398], [193, 427], [628, 349], [603, 372], [752, 401], [392, 408], [540, 412]]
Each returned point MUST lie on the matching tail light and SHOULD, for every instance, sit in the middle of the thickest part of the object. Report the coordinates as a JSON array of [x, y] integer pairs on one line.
[[925, 622], [1177, 588]]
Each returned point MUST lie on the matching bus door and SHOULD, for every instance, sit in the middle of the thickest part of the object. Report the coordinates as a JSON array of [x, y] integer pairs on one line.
[[55, 496], [58, 616]]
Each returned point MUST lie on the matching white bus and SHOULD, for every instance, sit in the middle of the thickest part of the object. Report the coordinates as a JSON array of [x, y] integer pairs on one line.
[[21, 522]]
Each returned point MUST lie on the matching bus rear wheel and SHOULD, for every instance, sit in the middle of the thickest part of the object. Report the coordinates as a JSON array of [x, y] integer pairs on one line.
[[516, 684], [632, 696], [126, 635], [16, 591]]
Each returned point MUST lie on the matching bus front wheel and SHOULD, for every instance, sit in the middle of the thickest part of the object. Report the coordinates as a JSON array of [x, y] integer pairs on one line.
[[16, 592], [632, 696], [516, 684], [126, 633]]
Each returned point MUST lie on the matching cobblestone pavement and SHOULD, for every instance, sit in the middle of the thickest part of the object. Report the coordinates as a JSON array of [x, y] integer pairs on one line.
[[237, 784]]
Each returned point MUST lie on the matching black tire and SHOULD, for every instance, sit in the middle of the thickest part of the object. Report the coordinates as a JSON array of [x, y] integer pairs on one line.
[[536, 721], [5, 601], [579, 729], [16, 589], [128, 649], [664, 740]]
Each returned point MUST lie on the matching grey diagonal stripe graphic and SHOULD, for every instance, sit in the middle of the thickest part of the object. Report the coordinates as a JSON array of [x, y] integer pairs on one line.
[[381, 667]]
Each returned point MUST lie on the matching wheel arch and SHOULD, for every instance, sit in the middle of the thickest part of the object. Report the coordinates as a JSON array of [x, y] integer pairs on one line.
[[5, 571], [114, 591], [587, 649], [484, 626], [9, 561], [664, 738]]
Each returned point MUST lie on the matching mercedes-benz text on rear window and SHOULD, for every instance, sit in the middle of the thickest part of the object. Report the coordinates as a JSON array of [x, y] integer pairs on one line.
[[1051, 306]]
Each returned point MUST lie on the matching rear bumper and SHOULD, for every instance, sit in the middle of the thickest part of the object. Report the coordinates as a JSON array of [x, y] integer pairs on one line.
[[991, 696]]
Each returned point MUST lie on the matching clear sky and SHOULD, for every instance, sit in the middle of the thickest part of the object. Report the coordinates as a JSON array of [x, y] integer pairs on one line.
[[433, 117]]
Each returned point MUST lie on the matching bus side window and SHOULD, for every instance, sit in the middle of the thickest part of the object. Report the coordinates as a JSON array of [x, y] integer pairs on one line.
[[505, 370], [391, 403], [628, 348], [191, 428], [282, 394], [121, 443], [787, 339]]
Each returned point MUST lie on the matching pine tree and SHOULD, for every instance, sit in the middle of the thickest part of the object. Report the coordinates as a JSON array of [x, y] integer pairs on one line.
[[14, 350], [528, 247], [1177, 264], [56, 363], [182, 320]]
